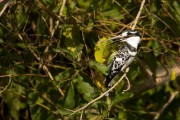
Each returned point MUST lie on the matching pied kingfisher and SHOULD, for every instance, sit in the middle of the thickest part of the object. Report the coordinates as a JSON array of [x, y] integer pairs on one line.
[[125, 54]]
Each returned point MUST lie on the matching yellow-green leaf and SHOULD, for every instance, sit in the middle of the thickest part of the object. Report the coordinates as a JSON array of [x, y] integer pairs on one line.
[[173, 75], [100, 50]]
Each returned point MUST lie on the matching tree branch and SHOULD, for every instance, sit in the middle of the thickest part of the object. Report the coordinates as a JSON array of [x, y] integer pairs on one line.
[[45, 68], [138, 15], [152, 81], [58, 21], [6, 4]]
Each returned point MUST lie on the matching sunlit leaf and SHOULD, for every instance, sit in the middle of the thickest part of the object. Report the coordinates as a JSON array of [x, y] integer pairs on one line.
[[173, 75], [122, 115], [100, 50], [39, 100], [84, 3], [177, 8]]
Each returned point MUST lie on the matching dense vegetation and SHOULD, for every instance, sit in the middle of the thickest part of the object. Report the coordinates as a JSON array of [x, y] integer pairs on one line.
[[54, 56]]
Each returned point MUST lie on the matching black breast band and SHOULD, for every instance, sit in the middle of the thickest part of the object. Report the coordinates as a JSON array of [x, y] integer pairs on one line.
[[132, 49]]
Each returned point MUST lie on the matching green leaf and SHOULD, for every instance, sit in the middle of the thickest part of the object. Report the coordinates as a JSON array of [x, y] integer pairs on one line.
[[70, 98], [122, 115], [38, 113], [64, 111], [21, 45], [120, 97], [177, 10], [39, 100], [113, 13], [84, 3], [156, 49], [66, 74], [67, 53], [13, 100], [86, 90], [32, 97], [1, 40], [100, 49], [134, 72], [99, 67], [95, 117]]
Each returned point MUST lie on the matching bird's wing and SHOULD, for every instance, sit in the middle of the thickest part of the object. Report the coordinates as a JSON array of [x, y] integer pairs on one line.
[[117, 63]]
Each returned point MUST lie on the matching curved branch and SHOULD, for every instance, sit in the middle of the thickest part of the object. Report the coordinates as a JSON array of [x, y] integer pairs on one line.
[[152, 81]]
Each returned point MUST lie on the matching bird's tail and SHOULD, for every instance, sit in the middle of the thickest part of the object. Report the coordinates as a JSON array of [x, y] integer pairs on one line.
[[108, 79], [107, 82]]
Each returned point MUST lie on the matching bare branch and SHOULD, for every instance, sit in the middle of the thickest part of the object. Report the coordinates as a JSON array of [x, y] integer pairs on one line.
[[128, 85], [9, 83], [5, 6], [138, 15], [153, 81], [45, 68], [58, 21]]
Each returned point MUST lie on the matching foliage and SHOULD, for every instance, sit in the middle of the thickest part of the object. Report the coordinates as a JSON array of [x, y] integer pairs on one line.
[[53, 58]]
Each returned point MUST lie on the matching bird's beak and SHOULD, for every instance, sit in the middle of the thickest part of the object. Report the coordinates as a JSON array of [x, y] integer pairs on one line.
[[116, 37]]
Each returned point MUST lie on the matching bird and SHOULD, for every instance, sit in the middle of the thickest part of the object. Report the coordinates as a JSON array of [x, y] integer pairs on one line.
[[125, 55]]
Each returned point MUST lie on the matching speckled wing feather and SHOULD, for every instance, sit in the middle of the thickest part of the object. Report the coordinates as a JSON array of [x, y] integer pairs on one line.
[[117, 64]]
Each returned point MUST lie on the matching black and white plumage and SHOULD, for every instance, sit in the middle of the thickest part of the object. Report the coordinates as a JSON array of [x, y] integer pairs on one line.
[[125, 54]]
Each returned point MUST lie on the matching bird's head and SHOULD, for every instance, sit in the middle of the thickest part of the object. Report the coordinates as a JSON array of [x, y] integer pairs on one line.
[[130, 33], [132, 37]]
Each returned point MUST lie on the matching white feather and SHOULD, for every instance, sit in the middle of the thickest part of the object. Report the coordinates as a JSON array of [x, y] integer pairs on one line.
[[118, 59], [133, 41]]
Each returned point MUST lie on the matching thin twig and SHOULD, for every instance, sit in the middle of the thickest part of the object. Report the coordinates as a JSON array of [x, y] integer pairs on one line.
[[138, 15], [9, 83], [51, 29], [58, 21], [47, 108], [17, 75], [45, 68], [62, 7], [128, 85], [158, 18], [5, 6], [81, 117], [86, 52]]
